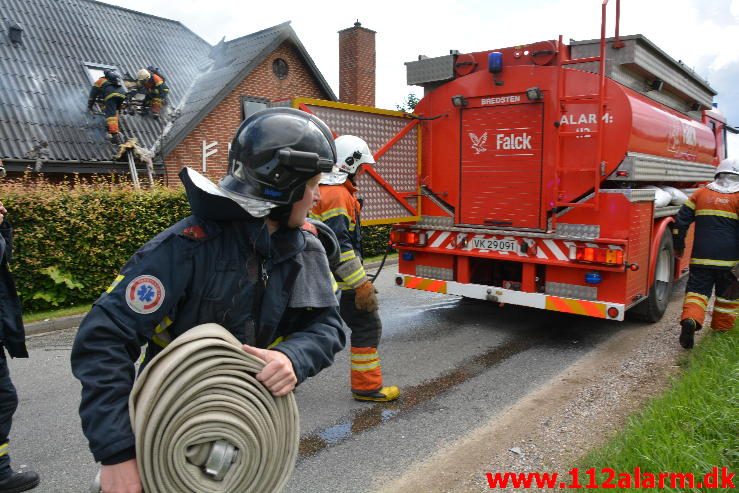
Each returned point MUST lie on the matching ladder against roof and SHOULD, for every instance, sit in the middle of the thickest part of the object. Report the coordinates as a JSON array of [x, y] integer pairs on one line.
[[130, 149]]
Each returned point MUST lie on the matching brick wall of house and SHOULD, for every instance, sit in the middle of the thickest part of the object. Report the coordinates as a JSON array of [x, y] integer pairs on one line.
[[357, 65], [221, 124]]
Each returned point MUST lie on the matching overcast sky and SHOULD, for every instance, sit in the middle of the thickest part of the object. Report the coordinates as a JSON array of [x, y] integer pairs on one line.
[[704, 34]]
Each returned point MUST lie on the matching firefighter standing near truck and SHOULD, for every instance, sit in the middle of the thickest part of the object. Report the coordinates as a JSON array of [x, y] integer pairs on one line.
[[715, 211], [109, 90], [339, 209], [155, 90]]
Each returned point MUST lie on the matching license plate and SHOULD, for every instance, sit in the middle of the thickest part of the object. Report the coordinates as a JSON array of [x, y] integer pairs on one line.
[[494, 244]]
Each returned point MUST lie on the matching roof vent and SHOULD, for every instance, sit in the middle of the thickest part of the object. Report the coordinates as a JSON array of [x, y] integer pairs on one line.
[[15, 33]]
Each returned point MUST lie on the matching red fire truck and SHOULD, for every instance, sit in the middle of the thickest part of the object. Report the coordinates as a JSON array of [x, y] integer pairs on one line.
[[536, 162], [527, 175]]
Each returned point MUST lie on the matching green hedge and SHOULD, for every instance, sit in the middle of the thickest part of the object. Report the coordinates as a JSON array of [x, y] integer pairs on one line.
[[374, 240], [71, 239]]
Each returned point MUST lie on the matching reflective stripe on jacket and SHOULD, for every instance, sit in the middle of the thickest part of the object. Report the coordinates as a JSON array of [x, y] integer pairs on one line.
[[340, 210], [716, 217]]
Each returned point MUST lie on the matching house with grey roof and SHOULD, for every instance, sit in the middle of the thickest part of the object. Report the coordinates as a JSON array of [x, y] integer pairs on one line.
[[51, 52]]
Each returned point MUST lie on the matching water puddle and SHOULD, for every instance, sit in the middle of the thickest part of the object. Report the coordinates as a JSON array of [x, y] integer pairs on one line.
[[411, 398]]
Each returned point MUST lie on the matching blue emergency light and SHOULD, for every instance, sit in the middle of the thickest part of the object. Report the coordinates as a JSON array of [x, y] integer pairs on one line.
[[593, 278], [495, 62]]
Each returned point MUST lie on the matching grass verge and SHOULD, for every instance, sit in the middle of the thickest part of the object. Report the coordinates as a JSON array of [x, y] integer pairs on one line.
[[692, 428], [62, 312]]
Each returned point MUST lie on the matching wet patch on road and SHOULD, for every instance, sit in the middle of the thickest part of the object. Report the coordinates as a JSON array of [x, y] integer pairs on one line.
[[411, 399]]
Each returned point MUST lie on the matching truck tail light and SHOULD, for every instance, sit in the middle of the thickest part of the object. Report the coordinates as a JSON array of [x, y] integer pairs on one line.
[[404, 237], [597, 255]]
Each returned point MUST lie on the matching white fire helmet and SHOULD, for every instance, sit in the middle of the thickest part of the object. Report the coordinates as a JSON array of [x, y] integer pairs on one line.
[[727, 177], [730, 165], [143, 75], [351, 153]]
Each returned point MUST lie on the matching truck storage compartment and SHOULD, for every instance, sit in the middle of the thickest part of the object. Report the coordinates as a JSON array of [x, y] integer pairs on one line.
[[501, 166]]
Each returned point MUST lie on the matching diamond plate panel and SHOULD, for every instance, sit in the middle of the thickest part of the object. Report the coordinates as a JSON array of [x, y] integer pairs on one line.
[[398, 166], [572, 291], [435, 272], [436, 221], [438, 69], [585, 231]]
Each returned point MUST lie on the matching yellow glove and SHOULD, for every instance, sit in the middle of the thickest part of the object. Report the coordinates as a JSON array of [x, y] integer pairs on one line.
[[365, 298]]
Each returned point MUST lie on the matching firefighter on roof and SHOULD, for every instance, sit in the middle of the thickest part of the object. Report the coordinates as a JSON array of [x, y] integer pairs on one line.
[[155, 89], [714, 209], [110, 92], [339, 208]]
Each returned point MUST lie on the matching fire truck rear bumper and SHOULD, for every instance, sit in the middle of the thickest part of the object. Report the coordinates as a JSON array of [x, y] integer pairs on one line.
[[597, 309]]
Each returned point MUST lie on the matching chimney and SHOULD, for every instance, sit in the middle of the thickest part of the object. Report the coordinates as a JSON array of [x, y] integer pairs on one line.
[[357, 65]]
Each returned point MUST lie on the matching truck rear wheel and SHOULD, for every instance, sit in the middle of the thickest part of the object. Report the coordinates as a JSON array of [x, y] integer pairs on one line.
[[653, 308]]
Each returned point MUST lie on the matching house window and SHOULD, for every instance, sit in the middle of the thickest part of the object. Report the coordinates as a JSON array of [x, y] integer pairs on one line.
[[280, 68], [250, 105], [95, 70]]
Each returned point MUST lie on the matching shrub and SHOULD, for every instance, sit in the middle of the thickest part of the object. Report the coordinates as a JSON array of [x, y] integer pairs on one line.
[[374, 240], [70, 239]]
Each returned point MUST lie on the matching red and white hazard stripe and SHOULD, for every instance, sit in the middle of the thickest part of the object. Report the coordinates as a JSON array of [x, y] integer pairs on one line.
[[545, 249]]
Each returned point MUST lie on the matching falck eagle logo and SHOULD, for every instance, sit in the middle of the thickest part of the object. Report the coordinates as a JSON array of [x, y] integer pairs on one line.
[[478, 143]]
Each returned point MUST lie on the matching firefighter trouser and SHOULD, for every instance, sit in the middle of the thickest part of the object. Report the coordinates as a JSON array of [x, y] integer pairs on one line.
[[155, 103], [112, 105], [8, 405], [366, 330], [701, 283]]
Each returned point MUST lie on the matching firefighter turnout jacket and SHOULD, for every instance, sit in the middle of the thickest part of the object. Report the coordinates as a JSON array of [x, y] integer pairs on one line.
[[156, 91], [339, 209], [104, 90], [12, 332], [112, 97], [715, 214], [268, 290]]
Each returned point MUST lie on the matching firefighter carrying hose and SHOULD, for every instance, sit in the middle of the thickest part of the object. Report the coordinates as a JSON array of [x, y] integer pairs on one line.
[[110, 92], [339, 209], [241, 260], [715, 210], [155, 90]]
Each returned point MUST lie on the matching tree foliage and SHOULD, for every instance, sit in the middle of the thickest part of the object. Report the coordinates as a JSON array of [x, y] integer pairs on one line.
[[408, 104]]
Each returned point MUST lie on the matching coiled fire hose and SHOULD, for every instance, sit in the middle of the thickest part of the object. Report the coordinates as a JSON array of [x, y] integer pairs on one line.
[[204, 423]]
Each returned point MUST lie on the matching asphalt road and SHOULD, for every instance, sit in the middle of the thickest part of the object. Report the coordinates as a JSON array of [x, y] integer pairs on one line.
[[458, 363]]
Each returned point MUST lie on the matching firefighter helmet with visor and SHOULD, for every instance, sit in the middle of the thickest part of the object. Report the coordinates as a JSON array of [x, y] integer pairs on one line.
[[274, 154], [352, 152], [112, 76]]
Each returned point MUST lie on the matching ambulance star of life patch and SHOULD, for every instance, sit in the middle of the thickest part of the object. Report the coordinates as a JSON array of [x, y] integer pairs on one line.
[[145, 294]]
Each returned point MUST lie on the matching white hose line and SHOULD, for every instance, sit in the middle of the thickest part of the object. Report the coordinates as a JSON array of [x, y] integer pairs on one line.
[[197, 391]]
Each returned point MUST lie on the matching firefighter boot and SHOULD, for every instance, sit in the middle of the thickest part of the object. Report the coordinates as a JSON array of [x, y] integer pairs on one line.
[[689, 327], [19, 481], [366, 377], [384, 394]]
